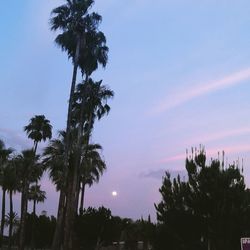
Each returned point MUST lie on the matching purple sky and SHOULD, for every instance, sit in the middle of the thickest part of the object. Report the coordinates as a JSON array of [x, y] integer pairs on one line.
[[180, 71]]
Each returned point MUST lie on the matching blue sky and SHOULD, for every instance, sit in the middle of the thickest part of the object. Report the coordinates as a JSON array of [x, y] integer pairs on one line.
[[180, 71]]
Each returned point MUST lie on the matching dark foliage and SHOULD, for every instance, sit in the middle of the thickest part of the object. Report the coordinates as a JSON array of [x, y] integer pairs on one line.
[[44, 230], [209, 211]]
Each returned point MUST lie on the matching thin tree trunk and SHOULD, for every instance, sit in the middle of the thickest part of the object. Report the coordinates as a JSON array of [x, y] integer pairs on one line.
[[3, 217], [82, 198], [23, 217], [79, 142], [78, 194], [59, 225], [33, 226], [72, 182], [35, 147], [11, 221]]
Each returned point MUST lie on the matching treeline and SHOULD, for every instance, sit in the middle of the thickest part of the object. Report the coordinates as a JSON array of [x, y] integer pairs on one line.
[[96, 228]]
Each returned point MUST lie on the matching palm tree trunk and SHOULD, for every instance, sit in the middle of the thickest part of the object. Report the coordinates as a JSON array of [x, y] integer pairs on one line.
[[72, 182], [72, 91], [33, 226], [24, 206], [70, 209], [79, 145], [59, 225], [35, 147], [3, 217], [11, 220], [77, 194], [82, 198], [34, 208]]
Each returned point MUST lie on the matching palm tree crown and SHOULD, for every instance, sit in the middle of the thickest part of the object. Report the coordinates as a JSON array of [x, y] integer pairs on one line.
[[38, 129], [94, 95], [80, 27]]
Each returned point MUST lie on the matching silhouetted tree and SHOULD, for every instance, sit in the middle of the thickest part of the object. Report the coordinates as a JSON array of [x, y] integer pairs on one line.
[[4, 164], [86, 46], [209, 211]]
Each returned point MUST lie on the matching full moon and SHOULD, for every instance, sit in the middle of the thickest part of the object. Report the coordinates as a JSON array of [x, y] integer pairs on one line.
[[114, 193]]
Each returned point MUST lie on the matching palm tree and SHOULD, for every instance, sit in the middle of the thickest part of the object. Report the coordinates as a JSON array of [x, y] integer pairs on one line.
[[73, 19], [78, 37], [29, 171], [90, 102], [92, 167], [4, 158], [36, 195], [53, 160], [12, 185], [15, 221], [38, 129], [95, 99]]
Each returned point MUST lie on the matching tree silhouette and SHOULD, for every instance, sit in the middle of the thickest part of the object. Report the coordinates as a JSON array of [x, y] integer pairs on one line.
[[4, 163], [209, 211], [36, 195], [86, 47]]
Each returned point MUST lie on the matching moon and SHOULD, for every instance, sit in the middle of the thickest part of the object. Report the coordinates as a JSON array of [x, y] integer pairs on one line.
[[114, 193]]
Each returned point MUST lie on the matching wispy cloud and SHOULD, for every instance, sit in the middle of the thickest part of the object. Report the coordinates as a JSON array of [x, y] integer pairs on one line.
[[213, 152], [159, 173], [221, 135], [189, 94]]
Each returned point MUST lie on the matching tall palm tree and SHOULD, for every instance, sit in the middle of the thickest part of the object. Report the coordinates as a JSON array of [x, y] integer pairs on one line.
[[4, 160], [29, 171], [79, 34], [38, 129], [91, 101], [92, 167], [74, 21]]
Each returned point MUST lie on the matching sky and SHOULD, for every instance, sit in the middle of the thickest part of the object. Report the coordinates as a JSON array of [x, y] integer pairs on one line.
[[180, 70]]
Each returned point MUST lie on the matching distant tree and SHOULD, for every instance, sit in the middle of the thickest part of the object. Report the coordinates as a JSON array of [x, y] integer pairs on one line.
[[39, 129], [92, 167], [4, 163], [29, 171], [94, 224], [43, 235], [209, 211], [36, 195], [12, 185]]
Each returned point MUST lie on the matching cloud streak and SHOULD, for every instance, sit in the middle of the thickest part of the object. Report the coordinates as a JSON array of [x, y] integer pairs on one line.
[[221, 135], [159, 173], [213, 152], [202, 89]]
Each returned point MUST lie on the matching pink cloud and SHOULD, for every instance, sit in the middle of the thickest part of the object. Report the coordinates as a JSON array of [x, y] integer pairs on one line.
[[221, 135], [186, 95], [213, 152]]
